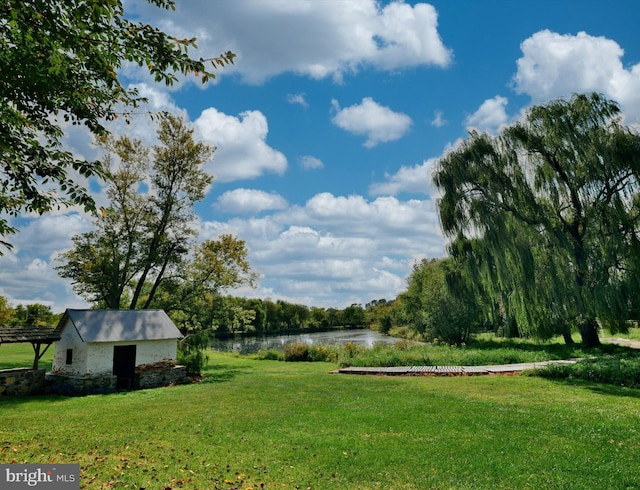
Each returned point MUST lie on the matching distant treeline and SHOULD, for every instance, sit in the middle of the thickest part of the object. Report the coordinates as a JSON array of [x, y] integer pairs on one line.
[[23, 315], [230, 316]]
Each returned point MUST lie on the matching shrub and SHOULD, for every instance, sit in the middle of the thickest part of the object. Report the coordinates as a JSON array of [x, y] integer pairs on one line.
[[195, 362], [402, 332], [323, 353], [296, 352], [269, 355], [299, 352], [403, 344], [349, 351], [385, 324], [192, 353]]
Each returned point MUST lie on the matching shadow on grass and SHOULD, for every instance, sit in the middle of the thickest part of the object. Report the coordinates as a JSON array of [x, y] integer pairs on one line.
[[217, 373], [7, 402], [220, 373], [559, 351], [600, 388]]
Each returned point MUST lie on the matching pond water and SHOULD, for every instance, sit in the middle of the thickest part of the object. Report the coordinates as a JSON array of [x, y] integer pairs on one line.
[[250, 345]]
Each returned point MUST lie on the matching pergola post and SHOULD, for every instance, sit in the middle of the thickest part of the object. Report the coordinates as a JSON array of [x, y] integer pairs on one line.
[[35, 335], [38, 355]]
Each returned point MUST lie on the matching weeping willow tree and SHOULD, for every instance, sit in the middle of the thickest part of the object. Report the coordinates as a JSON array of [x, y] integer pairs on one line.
[[545, 216]]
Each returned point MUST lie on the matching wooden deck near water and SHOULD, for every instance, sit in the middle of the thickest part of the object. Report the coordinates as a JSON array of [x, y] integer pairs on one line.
[[449, 370]]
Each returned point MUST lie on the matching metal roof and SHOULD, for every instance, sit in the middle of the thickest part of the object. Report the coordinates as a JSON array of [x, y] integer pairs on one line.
[[121, 325], [42, 335]]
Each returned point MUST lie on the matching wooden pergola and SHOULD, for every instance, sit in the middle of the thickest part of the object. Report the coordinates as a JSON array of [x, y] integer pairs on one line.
[[36, 336]]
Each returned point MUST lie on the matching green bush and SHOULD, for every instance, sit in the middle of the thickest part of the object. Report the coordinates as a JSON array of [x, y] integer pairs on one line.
[[404, 333], [192, 353], [323, 353], [195, 362], [385, 324], [296, 352], [269, 355], [402, 344], [349, 351]]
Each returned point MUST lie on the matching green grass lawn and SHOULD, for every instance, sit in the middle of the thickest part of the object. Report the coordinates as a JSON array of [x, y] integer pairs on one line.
[[269, 424], [22, 356], [633, 334]]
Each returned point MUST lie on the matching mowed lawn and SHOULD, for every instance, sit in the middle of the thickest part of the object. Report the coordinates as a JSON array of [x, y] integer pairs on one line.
[[274, 425]]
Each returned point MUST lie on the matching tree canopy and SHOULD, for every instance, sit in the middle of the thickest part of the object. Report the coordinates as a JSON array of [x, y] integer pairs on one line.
[[59, 62], [546, 214], [34, 314], [433, 309], [144, 242]]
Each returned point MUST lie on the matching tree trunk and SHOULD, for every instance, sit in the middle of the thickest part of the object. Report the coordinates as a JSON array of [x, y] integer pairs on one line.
[[587, 325], [589, 332], [566, 333], [156, 283]]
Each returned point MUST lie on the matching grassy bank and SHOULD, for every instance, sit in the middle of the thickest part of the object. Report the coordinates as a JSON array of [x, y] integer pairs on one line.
[[268, 424], [483, 351], [618, 365], [478, 353]]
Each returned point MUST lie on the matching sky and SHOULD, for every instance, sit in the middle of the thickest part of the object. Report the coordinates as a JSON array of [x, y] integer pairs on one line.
[[330, 123]]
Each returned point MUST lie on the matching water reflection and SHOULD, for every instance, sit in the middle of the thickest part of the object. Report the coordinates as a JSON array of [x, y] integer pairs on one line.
[[250, 345]]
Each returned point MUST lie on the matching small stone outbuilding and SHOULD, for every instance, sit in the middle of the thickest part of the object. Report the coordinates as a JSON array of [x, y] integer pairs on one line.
[[104, 350]]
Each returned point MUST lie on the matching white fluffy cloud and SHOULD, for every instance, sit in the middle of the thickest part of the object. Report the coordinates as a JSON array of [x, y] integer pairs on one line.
[[298, 99], [26, 272], [308, 162], [337, 245], [387, 214], [378, 123], [438, 119], [331, 247], [416, 179], [556, 65], [317, 39], [242, 151], [243, 201], [489, 116], [58, 229]]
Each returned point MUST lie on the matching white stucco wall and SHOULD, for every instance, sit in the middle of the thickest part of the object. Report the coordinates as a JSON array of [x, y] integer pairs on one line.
[[70, 340], [153, 351], [100, 354]]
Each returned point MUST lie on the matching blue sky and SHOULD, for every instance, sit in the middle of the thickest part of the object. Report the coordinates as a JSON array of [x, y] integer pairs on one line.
[[331, 120]]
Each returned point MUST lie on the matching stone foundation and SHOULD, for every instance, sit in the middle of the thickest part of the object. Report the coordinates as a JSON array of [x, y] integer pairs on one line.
[[146, 376], [65, 384], [153, 376], [21, 382]]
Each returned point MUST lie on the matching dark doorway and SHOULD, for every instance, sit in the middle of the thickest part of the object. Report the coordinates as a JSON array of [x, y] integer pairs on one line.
[[124, 365]]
